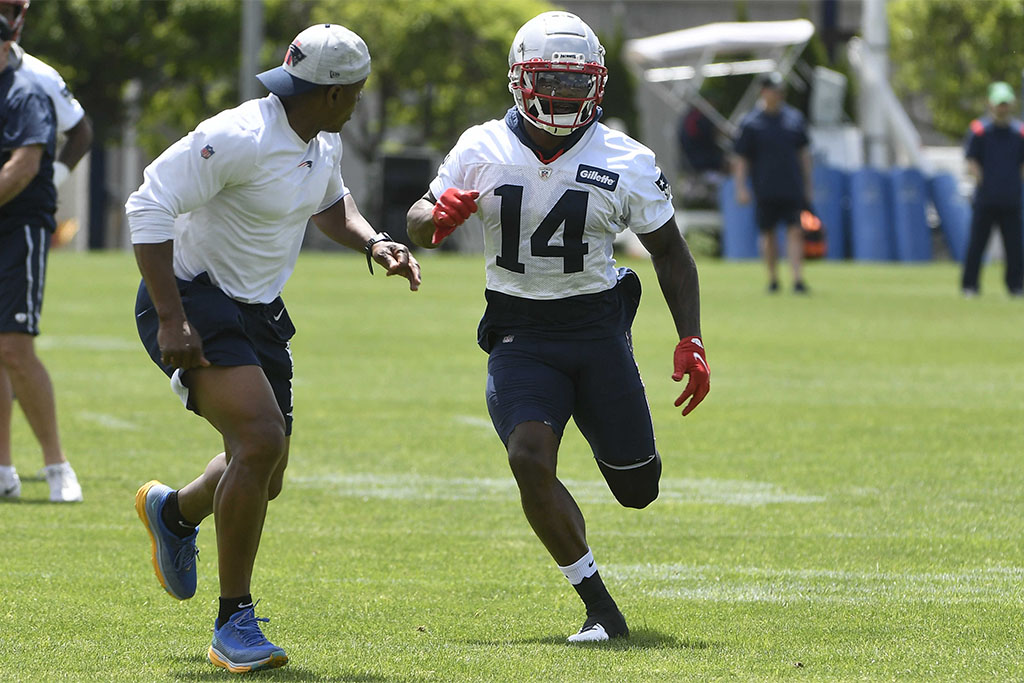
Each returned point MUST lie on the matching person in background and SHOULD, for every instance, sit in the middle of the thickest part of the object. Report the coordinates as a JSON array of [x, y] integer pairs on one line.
[[995, 157], [28, 201], [772, 149], [73, 124]]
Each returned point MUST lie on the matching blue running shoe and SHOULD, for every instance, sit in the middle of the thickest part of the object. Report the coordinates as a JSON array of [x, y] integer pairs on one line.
[[174, 558], [240, 646]]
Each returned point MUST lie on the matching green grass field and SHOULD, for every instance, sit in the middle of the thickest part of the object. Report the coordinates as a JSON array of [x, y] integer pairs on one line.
[[847, 503]]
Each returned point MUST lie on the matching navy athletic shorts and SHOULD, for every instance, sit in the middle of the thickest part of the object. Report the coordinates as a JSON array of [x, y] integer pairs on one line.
[[233, 333], [596, 381], [23, 254], [771, 212]]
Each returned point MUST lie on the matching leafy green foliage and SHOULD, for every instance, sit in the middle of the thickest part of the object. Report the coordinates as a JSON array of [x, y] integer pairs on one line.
[[950, 50]]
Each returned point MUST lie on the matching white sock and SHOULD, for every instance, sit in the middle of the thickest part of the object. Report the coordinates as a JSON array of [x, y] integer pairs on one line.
[[583, 568]]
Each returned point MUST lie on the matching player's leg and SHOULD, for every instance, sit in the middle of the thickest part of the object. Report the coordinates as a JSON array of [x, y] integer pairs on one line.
[[240, 403], [1013, 246], [981, 229], [795, 252], [767, 219]]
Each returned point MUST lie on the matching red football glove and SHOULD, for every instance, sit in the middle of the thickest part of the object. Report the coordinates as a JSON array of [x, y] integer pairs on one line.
[[689, 359], [451, 211]]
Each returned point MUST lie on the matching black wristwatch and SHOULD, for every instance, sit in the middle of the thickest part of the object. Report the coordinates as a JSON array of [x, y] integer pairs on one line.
[[368, 247]]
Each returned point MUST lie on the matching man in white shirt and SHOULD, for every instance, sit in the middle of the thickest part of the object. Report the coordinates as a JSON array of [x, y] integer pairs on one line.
[[217, 225], [72, 122], [553, 187]]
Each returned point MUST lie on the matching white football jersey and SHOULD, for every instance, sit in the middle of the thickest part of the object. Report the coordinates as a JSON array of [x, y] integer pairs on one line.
[[244, 185], [549, 228], [68, 110]]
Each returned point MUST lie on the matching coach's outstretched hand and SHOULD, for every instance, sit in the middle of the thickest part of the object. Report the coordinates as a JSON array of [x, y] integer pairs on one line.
[[689, 359], [451, 210], [396, 259]]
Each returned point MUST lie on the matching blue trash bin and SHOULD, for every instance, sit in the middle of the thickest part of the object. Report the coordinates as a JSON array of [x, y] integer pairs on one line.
[[830, 200], [954, 214], [909, 216], [870, 233], [739, 227]]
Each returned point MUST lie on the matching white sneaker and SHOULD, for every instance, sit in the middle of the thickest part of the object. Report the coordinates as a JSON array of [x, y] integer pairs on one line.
[[10, 483], [590, 634], [64, 486]]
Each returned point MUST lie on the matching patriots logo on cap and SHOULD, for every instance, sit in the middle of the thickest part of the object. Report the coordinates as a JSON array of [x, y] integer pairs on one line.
[[206, 152], [294, 56]]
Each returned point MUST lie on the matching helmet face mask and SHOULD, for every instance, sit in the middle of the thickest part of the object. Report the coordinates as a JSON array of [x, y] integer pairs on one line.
[[20, 8], [556, 72]]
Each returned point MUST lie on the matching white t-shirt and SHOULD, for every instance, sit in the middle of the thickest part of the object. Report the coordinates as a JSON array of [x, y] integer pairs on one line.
[[69, 111], [549, 228], [244, 185]]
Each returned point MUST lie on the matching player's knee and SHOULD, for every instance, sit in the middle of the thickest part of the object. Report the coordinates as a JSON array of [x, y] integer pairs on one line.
[[261, 444], [16, 352], [531, 455], [634, 488]]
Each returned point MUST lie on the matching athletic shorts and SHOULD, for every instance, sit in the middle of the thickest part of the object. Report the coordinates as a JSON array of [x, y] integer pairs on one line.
[[771, 212], [23, 256], [596, 381], [233, 334]]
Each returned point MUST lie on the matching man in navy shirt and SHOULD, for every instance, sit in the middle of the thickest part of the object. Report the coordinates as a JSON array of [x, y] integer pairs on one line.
[[27, 203], [995, 154], [772, 148]]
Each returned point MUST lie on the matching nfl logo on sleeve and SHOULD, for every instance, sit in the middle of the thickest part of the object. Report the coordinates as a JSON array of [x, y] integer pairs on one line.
[[206, 152]]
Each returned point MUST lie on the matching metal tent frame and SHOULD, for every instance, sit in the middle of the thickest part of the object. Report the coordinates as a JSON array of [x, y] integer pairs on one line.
[[676, 63]]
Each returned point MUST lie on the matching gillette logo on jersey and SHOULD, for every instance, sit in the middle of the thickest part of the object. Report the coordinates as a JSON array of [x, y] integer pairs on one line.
[[597, 177]]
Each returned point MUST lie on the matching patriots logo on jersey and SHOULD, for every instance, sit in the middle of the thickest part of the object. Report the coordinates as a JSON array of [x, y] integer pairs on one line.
[[598, 177], [206, 152], [294, 56], [662, 184], [308, 163]]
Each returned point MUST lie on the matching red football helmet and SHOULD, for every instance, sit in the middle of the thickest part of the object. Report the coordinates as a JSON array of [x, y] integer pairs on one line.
[[18, 21]]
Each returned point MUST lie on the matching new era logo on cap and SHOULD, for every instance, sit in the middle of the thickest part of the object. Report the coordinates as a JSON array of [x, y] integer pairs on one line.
[[325, 54]]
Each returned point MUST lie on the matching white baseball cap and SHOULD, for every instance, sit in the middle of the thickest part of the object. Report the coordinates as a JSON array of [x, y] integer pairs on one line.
[[325, 54]]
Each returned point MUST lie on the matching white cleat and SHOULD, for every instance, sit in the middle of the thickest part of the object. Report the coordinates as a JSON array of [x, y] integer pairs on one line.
[[10, 483], [590, 634], [64, 486]]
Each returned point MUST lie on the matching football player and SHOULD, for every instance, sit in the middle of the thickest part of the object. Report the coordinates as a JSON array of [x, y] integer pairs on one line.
[[37, 401], [72, 121], [552, 187]]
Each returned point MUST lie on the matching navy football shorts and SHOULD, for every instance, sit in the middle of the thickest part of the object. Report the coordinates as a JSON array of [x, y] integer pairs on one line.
[[23, 254], [233, 333], [596, 381], [771, 212]]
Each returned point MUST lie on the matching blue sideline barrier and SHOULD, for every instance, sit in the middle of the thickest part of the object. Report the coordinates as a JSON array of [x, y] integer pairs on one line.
[[870, 236], [954, 214], [909, 218], [831, 204], [739, 228]]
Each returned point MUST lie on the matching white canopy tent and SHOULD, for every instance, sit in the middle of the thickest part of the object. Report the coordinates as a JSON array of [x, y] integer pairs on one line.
[[677, 63]]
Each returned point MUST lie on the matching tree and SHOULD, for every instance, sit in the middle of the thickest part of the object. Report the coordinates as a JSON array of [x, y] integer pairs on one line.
[[948, 51], [438, 66]]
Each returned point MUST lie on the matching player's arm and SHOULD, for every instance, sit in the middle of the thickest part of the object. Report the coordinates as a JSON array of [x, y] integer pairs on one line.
[[740, 171], [18, 171], [77, 141], [439, 219], [677, 276], [180, 345], [807, 166], [419, 221], [343, 223]]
